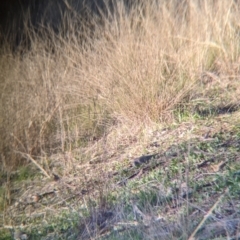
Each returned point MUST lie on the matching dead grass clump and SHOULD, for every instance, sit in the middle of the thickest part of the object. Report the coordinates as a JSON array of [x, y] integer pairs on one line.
[[139, 66]]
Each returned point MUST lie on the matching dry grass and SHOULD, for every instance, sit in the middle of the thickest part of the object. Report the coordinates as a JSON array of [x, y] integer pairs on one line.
[[147, 66]]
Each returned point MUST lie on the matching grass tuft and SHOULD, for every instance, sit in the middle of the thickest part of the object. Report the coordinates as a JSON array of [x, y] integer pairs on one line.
[[160, 77]]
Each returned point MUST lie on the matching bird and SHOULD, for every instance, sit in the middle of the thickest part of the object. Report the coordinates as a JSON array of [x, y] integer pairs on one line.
[[143, 159]]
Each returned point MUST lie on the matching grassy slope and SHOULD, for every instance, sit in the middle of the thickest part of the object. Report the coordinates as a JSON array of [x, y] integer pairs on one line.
[[159, 80]]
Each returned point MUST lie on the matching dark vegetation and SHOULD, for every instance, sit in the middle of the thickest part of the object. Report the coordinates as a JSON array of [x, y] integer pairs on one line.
[[21, 20]]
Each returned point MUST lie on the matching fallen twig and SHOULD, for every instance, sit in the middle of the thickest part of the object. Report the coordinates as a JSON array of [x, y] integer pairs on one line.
[[192, 237]]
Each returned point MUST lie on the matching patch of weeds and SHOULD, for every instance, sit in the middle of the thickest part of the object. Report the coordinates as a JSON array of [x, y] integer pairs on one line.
[[175, 167], [112, 198], [124, 173], [195, 157], [132, 234], [59, 228], [24, 173], [184, 115], [156, 175], [3, 177], [220, 182], [2, 198], [236, 130], [204, 112], [232, 181], [206, 146], [149, 197], [5, 234], [151, 189]]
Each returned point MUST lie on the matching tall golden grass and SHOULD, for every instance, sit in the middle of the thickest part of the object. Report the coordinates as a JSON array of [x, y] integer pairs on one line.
[[137, 66]]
